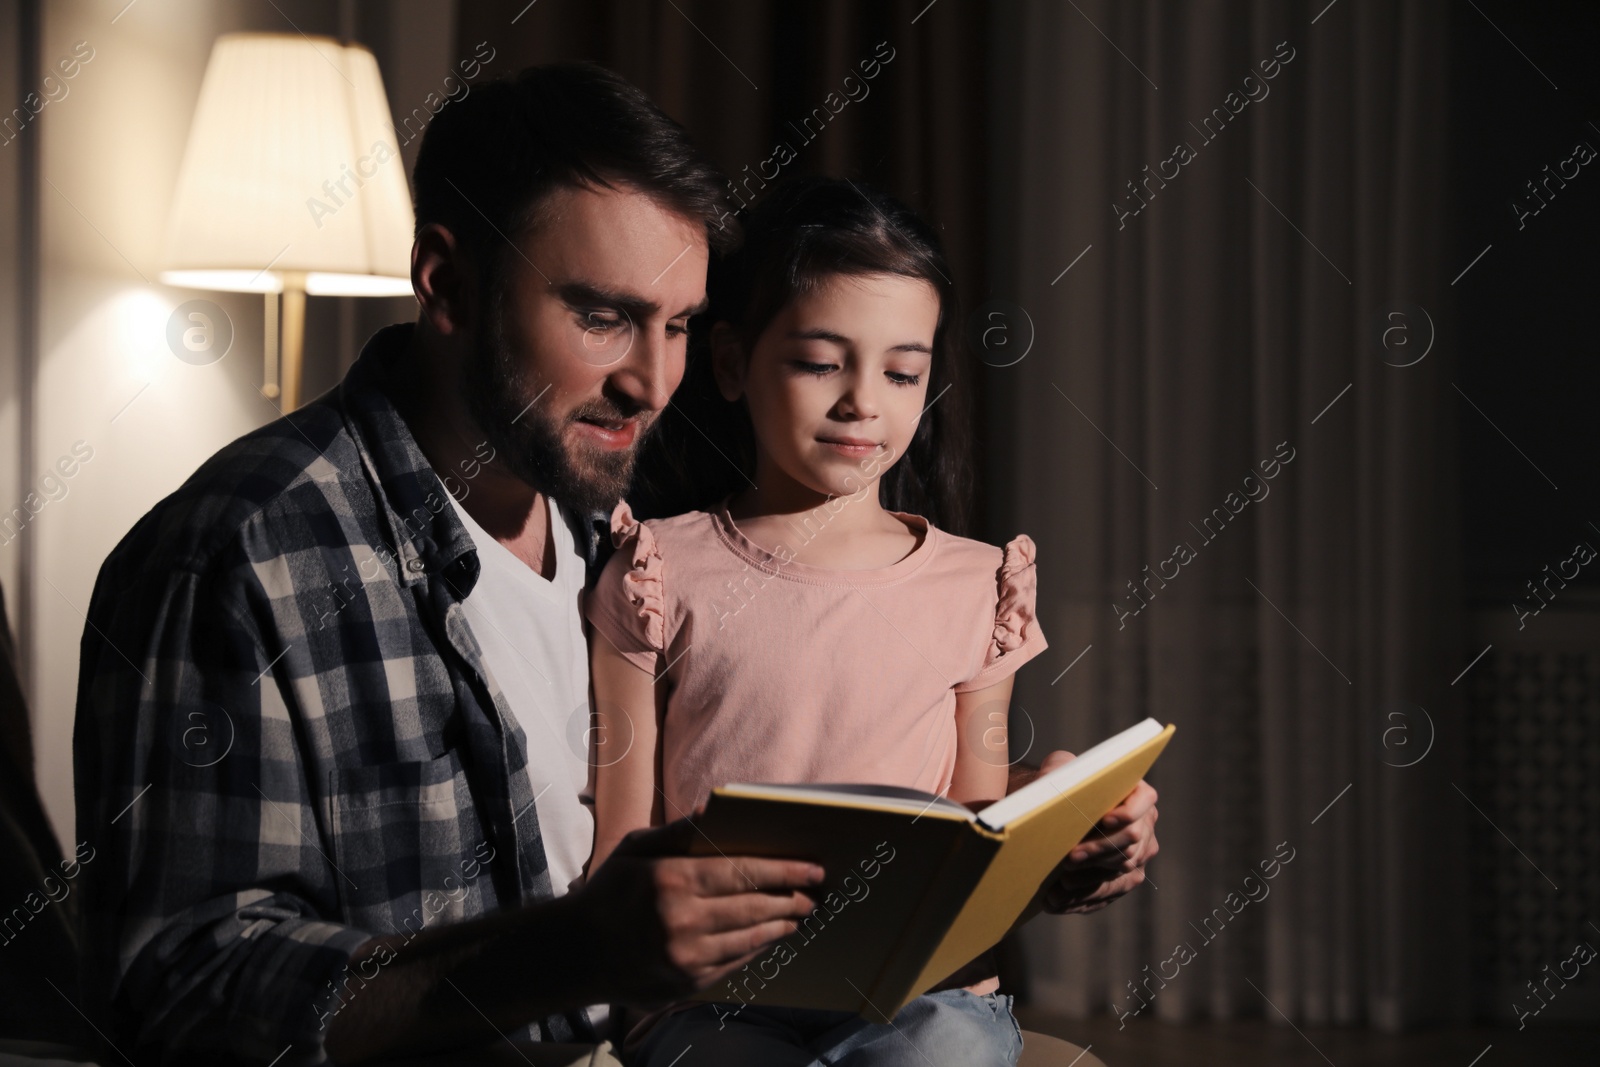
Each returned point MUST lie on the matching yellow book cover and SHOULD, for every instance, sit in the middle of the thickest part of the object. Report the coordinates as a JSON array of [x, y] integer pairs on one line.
[[917, 885]]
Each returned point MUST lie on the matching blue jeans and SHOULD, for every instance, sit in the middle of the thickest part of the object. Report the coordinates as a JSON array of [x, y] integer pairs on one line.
[[953, 1028]]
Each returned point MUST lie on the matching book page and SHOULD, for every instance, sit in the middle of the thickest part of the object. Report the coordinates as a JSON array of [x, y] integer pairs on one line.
[[882, 797], [1061, 780]]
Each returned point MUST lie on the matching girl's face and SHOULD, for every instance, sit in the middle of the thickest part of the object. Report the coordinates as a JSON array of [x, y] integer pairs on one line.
[[838, 380]]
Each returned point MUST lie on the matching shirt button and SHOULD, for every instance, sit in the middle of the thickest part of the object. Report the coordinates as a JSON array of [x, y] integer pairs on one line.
[[416, 566]]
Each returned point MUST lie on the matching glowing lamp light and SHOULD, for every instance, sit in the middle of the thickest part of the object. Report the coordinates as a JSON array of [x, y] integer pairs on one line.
[[291, 184]]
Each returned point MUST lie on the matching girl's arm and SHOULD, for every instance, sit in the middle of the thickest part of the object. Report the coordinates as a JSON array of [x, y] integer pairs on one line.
[[982, 752], [982, 769], [629, 702]]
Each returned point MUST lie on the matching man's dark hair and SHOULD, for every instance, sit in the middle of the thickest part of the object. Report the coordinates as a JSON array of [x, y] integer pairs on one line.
[[489, 161]]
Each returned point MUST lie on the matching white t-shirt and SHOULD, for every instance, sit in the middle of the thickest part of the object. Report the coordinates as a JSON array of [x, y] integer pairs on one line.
[[531, 631]]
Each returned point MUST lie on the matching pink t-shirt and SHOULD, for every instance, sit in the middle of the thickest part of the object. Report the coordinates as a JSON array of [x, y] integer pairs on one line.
[[784, 672]]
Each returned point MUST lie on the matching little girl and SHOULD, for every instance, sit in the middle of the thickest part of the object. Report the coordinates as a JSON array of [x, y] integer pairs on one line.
[[817, 623]]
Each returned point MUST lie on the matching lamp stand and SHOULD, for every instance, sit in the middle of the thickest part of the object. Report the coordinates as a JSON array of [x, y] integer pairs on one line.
[[294, 335], [269, 346], [284, 350]]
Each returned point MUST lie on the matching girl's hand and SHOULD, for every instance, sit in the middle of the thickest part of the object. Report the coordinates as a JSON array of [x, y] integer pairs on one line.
[[1110, 861]]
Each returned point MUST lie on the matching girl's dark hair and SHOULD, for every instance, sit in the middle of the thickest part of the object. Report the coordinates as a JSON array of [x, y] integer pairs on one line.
[[805, 231]]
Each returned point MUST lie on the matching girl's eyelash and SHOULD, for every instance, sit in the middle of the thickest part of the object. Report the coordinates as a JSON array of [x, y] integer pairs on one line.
[[807, 367]]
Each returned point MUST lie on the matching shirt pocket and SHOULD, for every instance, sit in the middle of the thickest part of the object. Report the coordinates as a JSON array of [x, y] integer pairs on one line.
[[405, 839]]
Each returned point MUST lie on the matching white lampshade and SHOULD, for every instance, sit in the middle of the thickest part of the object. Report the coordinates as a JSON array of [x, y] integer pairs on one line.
[[291, 166]]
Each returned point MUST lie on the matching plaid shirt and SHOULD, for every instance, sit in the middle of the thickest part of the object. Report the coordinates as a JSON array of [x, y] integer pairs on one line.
[[287, 741]]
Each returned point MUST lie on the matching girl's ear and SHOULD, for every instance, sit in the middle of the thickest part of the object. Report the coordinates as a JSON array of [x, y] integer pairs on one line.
[[728, 363]]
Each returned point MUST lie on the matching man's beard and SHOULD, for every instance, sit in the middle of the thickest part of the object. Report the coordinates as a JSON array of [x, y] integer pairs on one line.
[[529, 439]]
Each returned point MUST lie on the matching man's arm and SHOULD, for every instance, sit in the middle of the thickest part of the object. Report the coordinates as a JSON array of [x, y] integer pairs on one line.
[[211, 883], [651, 925], [207, 897]]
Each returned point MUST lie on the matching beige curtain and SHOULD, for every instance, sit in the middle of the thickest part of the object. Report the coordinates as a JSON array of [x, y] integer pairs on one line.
[[1308, 639]]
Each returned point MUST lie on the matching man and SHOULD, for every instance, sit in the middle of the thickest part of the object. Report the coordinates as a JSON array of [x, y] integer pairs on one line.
[[333, 699]]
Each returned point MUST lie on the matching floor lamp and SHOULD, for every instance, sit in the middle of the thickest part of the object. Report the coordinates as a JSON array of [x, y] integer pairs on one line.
[[291, 184]]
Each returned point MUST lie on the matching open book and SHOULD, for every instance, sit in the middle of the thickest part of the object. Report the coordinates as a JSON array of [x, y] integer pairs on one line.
[[917, 885]]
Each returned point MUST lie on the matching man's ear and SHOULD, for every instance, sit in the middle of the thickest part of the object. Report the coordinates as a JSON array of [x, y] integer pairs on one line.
[[442, 279], [728, 363]]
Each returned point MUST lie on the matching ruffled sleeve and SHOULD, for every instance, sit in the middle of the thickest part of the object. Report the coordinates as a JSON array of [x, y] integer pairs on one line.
[[628, 603], [1016, 637]]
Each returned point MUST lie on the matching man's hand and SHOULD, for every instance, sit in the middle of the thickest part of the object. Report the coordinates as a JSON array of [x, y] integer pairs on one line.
[[651, 925], [669, 924], [1110, 861]]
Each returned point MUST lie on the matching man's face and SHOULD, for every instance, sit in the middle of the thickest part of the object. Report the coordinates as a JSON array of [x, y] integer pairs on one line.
[[585, 342]]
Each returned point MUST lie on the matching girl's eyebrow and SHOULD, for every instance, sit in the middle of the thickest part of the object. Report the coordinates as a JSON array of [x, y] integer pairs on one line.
[[844, 342], [820, 335]]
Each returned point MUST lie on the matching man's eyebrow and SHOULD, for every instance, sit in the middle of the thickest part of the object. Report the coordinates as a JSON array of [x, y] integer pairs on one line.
[[588, 294], [845, 342]]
